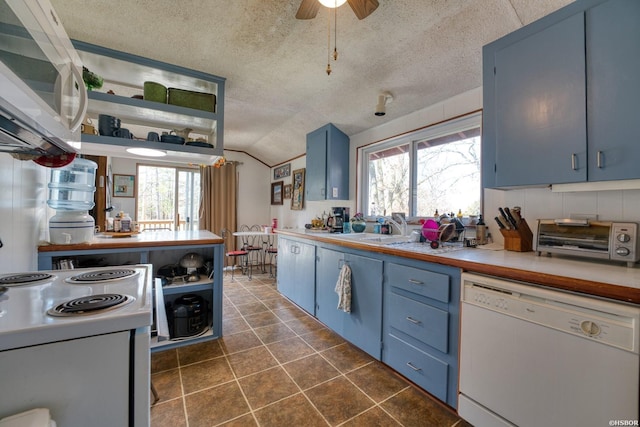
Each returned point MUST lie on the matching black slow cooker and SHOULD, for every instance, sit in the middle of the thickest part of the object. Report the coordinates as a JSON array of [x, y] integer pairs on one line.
[[187, 316]]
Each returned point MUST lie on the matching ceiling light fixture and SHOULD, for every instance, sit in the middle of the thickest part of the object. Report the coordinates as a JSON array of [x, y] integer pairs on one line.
[[332, 3], [147, 152], [383, 99]]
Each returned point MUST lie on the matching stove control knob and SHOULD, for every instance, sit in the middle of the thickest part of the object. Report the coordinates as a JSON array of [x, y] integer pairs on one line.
[[590, 328], [622, 251], [623, 237]]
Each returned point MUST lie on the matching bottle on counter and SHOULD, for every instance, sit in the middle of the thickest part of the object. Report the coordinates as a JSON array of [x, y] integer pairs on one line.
[[117, 223], [481, 231], [125, 223]]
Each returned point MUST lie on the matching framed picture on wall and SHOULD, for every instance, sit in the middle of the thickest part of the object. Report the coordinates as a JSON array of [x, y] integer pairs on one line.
[[124, 185], [297, 194], [277, 193], [282, 171], [287, 191]]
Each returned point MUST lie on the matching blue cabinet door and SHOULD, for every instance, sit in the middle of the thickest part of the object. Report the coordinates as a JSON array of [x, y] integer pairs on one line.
[[363, 325], [327, 173], [296, 272], [540, 107], [613, 89]]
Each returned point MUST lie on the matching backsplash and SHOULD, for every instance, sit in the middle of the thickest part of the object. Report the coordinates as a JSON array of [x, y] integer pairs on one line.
[[541, 203]]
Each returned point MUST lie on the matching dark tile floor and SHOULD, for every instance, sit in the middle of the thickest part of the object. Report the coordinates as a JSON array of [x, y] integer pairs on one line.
[[277, 366]]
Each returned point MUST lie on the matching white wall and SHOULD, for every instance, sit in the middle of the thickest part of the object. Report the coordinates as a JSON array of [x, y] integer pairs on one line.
[[23, 213]]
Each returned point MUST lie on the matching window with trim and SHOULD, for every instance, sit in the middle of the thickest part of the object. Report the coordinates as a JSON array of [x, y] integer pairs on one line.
[[436, 168], [167, 198]]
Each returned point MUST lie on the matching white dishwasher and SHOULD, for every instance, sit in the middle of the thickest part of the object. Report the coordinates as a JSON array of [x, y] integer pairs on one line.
[[530, 356]]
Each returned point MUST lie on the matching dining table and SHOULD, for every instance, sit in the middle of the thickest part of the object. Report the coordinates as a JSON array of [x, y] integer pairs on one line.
[[268, 242]]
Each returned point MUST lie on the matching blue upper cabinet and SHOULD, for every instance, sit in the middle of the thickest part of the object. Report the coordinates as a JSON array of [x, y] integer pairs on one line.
[[327, 174], [558, 97], [613, 89]]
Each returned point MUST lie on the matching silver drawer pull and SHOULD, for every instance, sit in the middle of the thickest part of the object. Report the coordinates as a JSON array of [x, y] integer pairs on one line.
[[574, 161], [599, 159], [416, 282], [409, 364], [412, 320]]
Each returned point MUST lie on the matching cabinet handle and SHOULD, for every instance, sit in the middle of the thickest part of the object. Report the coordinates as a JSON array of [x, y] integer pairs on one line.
[[412, 320], [416, 282], [409, 364], [599, 159], [574, 161]]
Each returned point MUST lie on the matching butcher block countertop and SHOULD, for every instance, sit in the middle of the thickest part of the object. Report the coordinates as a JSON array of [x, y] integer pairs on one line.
[[142, 240], [593, 277]]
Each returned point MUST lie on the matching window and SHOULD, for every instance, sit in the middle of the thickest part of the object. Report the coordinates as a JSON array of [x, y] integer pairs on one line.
[[437, 168], [168, 198]]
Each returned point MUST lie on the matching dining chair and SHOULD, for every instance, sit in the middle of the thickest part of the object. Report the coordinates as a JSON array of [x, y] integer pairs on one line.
[[270, 252], [234, 254]]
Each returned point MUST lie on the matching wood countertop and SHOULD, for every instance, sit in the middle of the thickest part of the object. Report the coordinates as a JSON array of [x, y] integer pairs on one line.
[[141, 240], [593, 277]]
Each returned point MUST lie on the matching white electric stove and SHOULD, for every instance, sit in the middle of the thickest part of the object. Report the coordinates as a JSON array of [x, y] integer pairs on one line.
[[77, 342]]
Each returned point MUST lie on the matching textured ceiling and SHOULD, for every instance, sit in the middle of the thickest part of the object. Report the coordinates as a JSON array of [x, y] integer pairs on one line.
[[422, 51]]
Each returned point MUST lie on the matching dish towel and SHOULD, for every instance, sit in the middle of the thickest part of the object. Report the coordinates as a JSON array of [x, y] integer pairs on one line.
[[343, 289]]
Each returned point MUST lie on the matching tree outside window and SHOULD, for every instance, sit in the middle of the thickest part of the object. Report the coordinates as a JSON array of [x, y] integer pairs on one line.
[[437, 168]]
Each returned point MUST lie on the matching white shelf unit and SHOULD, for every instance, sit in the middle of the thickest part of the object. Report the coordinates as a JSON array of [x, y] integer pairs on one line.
[[125, 74]]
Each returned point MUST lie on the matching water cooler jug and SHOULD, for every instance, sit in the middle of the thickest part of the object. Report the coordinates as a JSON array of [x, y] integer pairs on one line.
[[71, 191]]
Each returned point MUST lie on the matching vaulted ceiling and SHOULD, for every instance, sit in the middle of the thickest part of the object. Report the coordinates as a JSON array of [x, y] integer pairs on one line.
[[422, 51]]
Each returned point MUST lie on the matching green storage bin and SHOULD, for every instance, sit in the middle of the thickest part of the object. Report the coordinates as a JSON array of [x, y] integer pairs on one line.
[[189, 99], [155, 92]]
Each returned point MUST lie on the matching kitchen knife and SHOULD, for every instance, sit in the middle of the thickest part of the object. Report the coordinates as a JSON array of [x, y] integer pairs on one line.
[[511, 219], [516, 214], [500, 224], [504, 220]]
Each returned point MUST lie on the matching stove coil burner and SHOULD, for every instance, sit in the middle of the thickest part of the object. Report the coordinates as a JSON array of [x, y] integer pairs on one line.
[[92, 304], [24, 279], [99, 276]]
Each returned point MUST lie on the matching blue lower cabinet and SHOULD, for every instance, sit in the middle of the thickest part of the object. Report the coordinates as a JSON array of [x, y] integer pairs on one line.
[[296, 267], [421, 318], [363, 325], [425, 370], [425, 323]]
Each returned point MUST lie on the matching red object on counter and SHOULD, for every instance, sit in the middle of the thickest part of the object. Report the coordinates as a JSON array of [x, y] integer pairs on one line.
[[274, 224]]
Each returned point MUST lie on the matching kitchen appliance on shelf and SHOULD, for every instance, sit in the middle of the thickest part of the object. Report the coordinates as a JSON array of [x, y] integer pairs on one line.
[[607, 240], [77, 342], [531, 356], [340, 216], [43, 99], [187, 316]]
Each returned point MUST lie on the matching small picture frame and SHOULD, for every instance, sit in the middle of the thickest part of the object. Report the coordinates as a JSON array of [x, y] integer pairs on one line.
[[287, 191], [124, 185], [277, 193], [297, 193], [282, 171]]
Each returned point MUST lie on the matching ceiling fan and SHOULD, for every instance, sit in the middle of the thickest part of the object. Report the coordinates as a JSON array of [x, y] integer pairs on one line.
[[362, 8]]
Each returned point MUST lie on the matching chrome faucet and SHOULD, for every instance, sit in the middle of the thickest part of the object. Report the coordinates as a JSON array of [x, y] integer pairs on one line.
[[402, 227]]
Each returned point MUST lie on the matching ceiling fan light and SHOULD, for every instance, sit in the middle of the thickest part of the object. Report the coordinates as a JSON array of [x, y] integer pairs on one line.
[[332, 3]]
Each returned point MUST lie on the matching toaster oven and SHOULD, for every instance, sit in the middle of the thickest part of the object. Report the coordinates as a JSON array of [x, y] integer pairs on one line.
[[608, 240]]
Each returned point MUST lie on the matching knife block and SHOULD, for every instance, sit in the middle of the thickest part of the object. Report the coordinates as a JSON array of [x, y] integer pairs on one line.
[[520, 240]]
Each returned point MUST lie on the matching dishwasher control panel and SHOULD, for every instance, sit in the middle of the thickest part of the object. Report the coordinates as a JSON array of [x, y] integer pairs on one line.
[[607, 322]]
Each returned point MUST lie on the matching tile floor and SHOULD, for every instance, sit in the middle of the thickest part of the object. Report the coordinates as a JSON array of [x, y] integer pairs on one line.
[[277, 366]]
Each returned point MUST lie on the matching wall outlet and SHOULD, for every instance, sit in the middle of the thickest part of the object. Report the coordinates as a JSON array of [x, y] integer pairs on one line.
[[335, 192]]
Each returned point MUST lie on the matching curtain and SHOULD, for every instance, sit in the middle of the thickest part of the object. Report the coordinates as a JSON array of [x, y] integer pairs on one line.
[[219, 186]]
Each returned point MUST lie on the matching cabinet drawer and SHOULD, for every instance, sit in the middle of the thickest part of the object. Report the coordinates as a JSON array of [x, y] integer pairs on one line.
[[421, 368], [427, 324], [421, 282]]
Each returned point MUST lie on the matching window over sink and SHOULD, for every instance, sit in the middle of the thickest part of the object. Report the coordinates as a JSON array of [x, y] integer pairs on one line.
[[435, 168]]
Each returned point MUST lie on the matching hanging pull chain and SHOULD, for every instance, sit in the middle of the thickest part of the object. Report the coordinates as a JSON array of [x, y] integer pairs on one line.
[[335, 34], [328, 42]]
